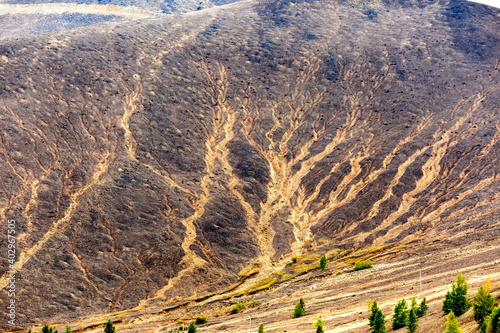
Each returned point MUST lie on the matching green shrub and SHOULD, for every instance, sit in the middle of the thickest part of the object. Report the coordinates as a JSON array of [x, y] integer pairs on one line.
[[251, 303], [192, 328], [261, 329], [363, 264], [200, 320], [237, 307]]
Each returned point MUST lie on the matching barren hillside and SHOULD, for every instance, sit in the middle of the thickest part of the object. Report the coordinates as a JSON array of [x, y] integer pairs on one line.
[[221, 152]]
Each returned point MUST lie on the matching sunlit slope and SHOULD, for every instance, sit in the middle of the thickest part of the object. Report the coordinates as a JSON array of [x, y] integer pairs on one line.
[[158, 158]]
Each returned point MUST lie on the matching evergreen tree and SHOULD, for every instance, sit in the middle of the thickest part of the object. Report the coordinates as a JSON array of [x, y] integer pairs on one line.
[[261, 329], [452, 324], [376, 319], [192, 328], [109, 327], [300, 309], [400, 317], [484, 325], [483, 305], [322, 263], [68, 329], [413, 320], [422, 309], [379, 323], [456, 299], [319, 325], [47, 329], [374, 309], [494, 321]]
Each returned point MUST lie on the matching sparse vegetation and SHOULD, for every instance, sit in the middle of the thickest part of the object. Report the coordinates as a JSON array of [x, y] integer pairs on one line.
[[322, 262], [237, 307], [200, 320], [363, 264], [261, 329], [300, 309], [251, 303], [456, 299], [68, 329], [240, 305]]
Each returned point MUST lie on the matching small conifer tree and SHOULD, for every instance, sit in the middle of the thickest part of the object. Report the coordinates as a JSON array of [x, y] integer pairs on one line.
[[373, 306], [47, 329], [412, 320], [322, 262], [300, 309], [483, 305], [261, 329], [456, 299], [422, 309], [192, 328], [68, 329], [319, 325], [379, 323], [452, 324], [400, 317], [376, 319], [109, 327]]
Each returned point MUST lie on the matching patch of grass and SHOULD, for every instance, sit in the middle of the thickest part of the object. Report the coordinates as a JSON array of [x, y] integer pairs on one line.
[[304, 268], [363, 264], [252, 303], [264, 283], [249, 270], [240, 305], [346, 252], [368, 251], [286, 277], [237, 307]]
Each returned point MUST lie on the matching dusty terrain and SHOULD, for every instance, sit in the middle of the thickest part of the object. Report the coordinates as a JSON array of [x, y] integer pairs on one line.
[[155, 161]]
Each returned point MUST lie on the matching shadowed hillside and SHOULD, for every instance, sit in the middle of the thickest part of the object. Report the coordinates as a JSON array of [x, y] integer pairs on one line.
[[154, 160]]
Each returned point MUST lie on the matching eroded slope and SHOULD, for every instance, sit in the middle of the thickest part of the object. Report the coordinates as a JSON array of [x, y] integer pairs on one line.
[[159, 158]]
